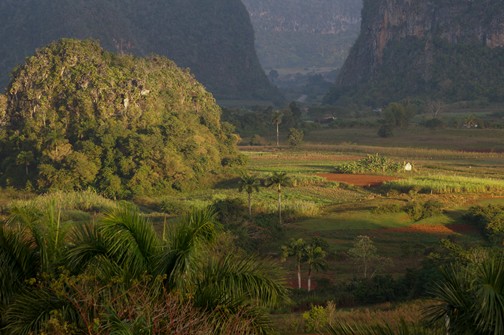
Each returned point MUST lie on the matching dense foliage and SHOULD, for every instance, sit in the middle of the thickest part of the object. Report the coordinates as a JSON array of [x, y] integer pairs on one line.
[[490, 219], [370, 164], [117, 276], [79, 117]]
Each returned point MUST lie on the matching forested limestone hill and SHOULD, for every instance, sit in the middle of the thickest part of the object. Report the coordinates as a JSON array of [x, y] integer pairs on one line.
[[77, 116], [450, 50], [214, 38]]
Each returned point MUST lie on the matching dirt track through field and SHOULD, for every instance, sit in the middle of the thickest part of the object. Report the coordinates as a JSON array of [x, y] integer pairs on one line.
[[357, 179]]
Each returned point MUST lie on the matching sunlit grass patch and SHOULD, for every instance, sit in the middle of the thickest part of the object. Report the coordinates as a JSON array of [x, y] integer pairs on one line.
[[442, 184], [354, 220], [87, 201]]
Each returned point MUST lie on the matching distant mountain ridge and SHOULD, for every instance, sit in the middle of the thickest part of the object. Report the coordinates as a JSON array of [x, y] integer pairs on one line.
[[451, 50], [214, 38], [303, 33]]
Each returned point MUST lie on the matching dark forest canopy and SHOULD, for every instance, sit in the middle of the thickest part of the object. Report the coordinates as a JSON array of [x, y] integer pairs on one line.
[[77, 116], [214, 38]]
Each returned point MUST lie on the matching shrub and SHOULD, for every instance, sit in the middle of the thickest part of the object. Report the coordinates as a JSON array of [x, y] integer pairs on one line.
[[434, 124], [489, 218], [419, 211], [230, 211], [295, 137], [173, 206], [257, 140], [232, 161], [387, 208], [432, 208], [319, 317], [376, 290], [370, 164], [414, 210], [385, 131]]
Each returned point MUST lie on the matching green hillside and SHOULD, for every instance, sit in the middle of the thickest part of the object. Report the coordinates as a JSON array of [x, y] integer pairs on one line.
[[78, 116]]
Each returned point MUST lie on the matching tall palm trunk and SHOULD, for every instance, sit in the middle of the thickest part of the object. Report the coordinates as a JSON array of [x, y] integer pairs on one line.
[[277, 135], [299, 273], [250, 204], [309, 277], [280, 203]]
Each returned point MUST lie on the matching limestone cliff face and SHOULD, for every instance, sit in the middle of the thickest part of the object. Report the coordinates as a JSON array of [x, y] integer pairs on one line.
[[421, 33], [214, 38]]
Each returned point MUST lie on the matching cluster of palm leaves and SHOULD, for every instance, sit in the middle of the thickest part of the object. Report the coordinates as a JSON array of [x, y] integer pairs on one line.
[[471, 297], [118, 276]]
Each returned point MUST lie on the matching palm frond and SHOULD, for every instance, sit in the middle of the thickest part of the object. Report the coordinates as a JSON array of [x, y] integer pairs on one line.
[[455, 301], [31, 308], [18, 262], [178, 257], [240, 278], [131, 240], [490, 296], [87, 252]]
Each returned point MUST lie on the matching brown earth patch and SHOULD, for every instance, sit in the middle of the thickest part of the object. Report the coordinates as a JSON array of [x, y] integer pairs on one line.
[[357, 179], [458, 228]]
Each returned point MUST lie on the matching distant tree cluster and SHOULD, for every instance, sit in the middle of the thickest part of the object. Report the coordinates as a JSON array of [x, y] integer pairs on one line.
[[78, 117]]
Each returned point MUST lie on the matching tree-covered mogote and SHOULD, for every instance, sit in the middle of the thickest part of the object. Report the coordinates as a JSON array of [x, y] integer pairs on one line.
[[76, 116]]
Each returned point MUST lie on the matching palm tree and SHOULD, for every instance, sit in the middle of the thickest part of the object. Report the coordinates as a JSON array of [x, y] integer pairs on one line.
[[123, 250], [31, 242], [279, 179], [314, 256], [249, 183], [276, 120], [295, 248], [31, 248], [471, 298]]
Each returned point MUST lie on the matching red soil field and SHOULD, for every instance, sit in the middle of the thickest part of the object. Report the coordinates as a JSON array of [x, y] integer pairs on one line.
[[357, 179], [458, 228]]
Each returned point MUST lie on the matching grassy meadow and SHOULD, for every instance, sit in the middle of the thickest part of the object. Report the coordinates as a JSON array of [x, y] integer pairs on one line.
[[458, 169]]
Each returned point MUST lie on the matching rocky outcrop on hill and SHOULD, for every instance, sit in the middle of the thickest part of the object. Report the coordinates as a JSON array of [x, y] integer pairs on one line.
[[448, 49]]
